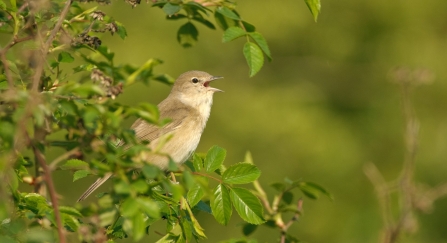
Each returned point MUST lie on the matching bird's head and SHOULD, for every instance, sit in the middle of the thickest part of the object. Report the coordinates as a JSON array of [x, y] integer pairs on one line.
[[193, 87]]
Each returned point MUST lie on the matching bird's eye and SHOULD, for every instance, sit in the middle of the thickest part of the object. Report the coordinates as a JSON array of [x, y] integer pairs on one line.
[[195, 80]]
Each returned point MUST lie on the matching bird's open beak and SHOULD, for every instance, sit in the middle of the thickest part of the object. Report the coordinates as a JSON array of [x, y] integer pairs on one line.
[[207, 84]]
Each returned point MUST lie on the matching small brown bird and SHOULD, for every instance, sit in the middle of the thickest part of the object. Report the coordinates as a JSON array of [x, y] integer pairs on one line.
[[188, 106]]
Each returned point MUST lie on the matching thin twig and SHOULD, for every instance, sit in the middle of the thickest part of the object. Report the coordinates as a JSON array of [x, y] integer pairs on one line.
[[46, 46], [263, 196], [62, 157], [5, 62], [295, 217], [49, 181]]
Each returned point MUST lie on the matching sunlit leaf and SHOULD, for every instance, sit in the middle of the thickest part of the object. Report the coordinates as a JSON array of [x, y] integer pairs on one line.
[[241, 173], [233, 33], [195, 193], [197, 162], [262, 43], [80, 174], [214, 158], [138, 227], [221, 205], [129, 207], [314, 7], [254, 57], [247, 205], [70, 211], [149, 206], [147, 66], [74, 164]]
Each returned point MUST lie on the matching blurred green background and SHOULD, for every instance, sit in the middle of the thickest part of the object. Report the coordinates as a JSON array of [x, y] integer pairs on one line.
[[322, 109]]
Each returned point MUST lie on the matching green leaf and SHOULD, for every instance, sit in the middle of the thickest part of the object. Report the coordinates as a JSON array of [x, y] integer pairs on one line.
[[204, 21], [228, 13], [186, 229], [149, 206], [3, 84], [169, 238], [195, 193], [233, 33], [241, 173], [84, 67], [223, 21], [314, 7], [248, 27], [121, 30], [221, 204], [313, 190], [262, 43], [171, 9], [150, 171], [65, 57], [164, 78], [248, 229], [198, 6], [147, 66], [203, 207], [139, 186], [198, 230], [138, 227], [279, 186], [2, 5], [255, 58], [247, 205], [187, 35], [70, 210], [70, 222], [197, 162], [214, 158], [176, 17], [80, 174], [107, 217], [129, 207], [74, 164], [106, 53], [287, 197], [122, 187]]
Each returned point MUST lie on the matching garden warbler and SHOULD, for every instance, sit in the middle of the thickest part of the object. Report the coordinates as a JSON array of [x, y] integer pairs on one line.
[[188, 106]]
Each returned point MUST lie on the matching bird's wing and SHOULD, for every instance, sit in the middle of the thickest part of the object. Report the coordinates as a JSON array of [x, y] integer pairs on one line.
[[94, 186], [174, 110]]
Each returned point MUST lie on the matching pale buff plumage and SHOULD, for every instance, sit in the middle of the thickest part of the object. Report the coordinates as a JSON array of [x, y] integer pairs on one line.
[[188, 106]]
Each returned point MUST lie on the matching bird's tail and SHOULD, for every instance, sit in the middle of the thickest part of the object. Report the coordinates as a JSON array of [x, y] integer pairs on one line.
[[95, 186]]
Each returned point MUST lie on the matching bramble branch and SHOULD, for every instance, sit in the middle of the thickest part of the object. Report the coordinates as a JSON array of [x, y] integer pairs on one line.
[[47, 44]]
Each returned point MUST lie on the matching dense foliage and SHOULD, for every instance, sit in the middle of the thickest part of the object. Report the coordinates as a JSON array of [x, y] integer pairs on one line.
[[58, 88]]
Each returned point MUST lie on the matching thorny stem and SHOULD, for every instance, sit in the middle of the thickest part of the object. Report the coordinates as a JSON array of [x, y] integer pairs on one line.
[[46, 46], [49, 181], [206, 175]]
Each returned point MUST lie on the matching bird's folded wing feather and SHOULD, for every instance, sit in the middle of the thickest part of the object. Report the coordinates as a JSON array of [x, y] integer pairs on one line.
[[148, 132]]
